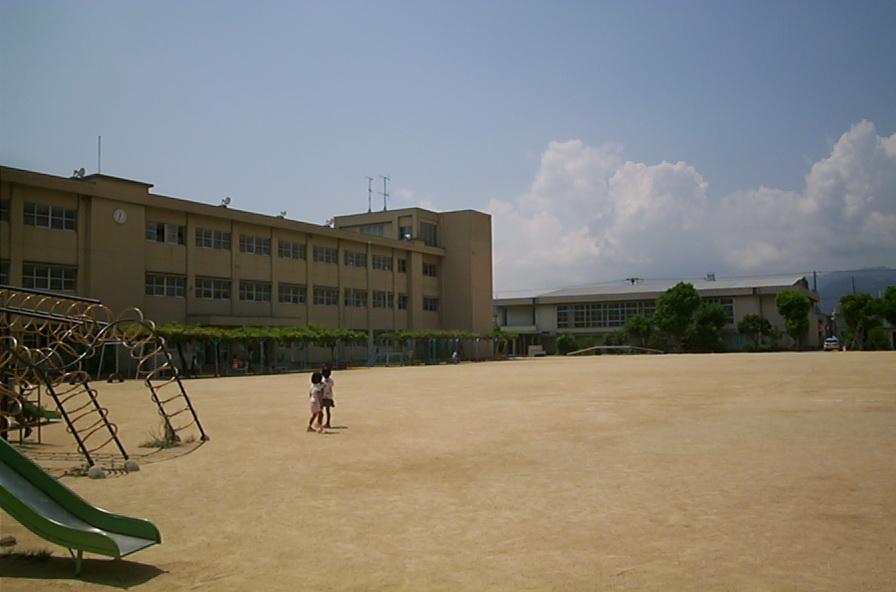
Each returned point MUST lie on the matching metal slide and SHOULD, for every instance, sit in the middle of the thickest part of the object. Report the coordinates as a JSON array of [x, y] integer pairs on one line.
[[54, 512]]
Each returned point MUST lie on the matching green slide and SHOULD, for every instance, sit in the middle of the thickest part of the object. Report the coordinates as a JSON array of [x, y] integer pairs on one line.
[[52, 511]]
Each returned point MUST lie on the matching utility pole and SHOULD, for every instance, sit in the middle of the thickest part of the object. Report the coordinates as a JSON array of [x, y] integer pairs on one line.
[[369, 194], [385, 193]]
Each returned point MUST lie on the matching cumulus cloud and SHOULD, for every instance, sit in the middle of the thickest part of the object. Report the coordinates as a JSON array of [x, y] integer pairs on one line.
[[590, 215]]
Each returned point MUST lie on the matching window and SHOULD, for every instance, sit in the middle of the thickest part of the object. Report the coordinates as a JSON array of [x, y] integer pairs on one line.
[[4, 272], [430, 304], [165, 285], [429, 234], [382, 299], [727, 304], [355, 259], [291, 293], [255, 291], [402, 266], [212, 239], [212, 289], [325, 254], [601, 315], [290, 250], [382, 262], [55, 217], [326, 296], [374, 229], [159, 232], [402, 302], [405, 232], [48, 277], [4, 210], [255, 245], [355, 297], [430, 269]]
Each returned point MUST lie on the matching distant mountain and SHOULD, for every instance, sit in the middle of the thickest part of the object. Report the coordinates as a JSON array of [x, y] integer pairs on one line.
[[835, 285]]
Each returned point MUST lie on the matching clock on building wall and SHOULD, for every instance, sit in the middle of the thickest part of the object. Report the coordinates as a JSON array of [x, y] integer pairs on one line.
[[120, 216]]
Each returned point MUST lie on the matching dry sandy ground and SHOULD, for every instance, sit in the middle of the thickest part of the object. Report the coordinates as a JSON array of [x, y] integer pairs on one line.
[[712, 472]]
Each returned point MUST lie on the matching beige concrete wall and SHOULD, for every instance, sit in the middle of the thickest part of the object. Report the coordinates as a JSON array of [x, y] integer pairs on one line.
[[466, 270]]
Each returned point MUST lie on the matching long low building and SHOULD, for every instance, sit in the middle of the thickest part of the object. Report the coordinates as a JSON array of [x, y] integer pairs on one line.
[[602, 310], [182, 261]]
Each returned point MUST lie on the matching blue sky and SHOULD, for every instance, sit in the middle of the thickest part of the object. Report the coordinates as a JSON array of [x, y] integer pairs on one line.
[[290, 105]]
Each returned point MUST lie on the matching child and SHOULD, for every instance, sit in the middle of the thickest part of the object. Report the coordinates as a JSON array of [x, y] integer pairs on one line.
[[327, 400], [314, 397]]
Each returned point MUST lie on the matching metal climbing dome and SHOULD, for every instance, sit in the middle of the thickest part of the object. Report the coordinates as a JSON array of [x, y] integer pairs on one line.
[[47, 340]]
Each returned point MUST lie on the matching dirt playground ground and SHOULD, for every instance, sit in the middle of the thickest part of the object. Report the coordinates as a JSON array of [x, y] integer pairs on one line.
[[677, 472]]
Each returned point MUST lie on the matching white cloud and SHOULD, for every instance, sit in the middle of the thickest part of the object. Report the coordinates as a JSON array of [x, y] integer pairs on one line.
[[590, 215]]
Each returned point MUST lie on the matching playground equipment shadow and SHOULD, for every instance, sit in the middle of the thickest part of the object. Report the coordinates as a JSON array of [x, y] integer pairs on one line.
[[121, 573]]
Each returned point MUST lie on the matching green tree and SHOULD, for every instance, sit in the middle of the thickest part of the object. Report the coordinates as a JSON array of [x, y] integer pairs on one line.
[[705, 333], [675, 309], [566, 343], [862, 313], [877, 339], [638, 328], [888, 305], [794, 306], [755, 326]]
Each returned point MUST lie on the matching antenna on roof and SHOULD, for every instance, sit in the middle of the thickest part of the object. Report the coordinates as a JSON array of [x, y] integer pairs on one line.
[[282, 214], [385, 192], [225, 202], [99, 154], [369, 194]]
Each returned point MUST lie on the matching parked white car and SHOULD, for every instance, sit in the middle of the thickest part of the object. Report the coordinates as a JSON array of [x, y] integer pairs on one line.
[[831, 344]]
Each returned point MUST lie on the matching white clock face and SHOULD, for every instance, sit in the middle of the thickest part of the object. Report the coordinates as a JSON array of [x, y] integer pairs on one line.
[[120, 216]]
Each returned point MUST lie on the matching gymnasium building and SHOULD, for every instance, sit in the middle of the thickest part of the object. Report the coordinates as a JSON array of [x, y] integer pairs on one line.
[[182, 261], [602, 310]]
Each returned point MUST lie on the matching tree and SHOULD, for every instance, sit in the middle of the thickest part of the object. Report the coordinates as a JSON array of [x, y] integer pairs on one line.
[[638, 328], [888, 305], [704, 334], [755, 326], [794, 306], [566, 343], [862, 313], [675, 309]]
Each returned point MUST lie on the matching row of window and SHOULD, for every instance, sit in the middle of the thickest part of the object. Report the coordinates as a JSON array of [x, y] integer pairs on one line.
[[46, 216], [601, 314], [48, 277], [428, 232], [614, 314], [43, 215], [255, 245], [253, 291]]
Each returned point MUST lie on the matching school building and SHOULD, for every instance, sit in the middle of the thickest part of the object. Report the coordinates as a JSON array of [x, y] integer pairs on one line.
[[182, 261], [601, 310]]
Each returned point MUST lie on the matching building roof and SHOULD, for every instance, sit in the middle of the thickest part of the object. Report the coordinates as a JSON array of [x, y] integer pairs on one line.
[[648, 288]]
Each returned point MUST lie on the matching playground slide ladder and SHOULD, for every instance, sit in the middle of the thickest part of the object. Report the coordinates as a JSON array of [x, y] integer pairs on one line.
[[76, 400], [80, 316], [166, 388]]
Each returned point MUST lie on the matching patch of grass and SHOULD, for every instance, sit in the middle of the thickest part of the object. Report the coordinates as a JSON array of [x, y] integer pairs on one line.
[[163, 437], [77, 471], [38, 555]]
